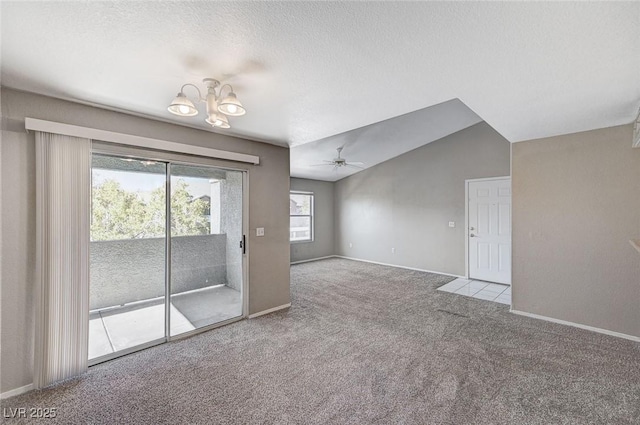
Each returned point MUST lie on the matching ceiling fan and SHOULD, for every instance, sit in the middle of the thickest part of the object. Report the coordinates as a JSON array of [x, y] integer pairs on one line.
[[340, 162]]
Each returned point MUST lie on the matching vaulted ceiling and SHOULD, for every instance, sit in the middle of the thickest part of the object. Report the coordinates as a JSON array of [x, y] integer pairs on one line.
[[378, 142], [307, 71]]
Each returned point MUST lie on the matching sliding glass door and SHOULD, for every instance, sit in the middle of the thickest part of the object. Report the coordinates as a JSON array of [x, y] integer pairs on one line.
[[206, 256], [162, 266], [127, 261]]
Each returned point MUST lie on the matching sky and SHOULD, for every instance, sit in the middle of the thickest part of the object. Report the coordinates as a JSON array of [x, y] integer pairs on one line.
[[145, 183]]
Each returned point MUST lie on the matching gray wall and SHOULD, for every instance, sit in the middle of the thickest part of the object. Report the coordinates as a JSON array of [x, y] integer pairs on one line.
[[268, 203], [123, 271], [576, 204], [323, 240], [231, 225], [406, 203]]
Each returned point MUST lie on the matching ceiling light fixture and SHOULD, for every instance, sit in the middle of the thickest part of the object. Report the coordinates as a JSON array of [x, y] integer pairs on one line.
[[216, 111], [218, 120], [230, 105]]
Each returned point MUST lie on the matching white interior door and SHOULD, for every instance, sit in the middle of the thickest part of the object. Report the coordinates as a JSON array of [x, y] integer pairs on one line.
[[490, 230]]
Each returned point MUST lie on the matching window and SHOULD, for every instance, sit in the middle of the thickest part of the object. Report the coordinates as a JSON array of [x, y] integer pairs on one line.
[[301, 216]]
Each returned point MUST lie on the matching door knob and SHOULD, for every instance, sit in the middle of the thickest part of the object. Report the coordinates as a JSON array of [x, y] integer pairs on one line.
[[472, 235], [472, 228]]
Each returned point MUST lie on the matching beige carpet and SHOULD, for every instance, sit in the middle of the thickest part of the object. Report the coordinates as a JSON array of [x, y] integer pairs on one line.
[[364, 344]]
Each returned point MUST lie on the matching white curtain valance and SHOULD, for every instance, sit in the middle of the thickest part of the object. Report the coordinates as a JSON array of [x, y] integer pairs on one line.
[[138, 141], [63, 208]]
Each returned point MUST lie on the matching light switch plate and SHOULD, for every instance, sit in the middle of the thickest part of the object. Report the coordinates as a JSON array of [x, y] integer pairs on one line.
[[260, 231]]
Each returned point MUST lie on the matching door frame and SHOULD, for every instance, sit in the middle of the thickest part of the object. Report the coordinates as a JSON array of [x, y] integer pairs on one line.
[[245, 258], [107, 148], [466, 221]]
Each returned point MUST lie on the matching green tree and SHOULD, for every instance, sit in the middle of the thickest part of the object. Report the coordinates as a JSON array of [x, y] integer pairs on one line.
[[119, 214], [187, 214], [116, 213]]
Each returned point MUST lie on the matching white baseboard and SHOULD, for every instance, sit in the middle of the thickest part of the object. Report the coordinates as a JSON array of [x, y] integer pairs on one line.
[[576, 325], [313, 259], [16, 391], [271, 310], [397, 266]]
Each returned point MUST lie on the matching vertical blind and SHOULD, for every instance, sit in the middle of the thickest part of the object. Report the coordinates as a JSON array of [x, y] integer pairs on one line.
[[63, 204]]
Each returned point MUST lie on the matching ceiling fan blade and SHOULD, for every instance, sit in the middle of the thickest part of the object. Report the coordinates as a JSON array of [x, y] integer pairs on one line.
[[320, 165], [354, 166], [355, 163]]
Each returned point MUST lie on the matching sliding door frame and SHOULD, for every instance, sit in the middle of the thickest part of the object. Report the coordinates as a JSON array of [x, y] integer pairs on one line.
[[245, 256], [167, 252], [169, 158]]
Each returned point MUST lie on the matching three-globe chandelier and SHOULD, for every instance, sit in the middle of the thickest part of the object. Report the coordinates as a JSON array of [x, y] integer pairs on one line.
[[217, 110]]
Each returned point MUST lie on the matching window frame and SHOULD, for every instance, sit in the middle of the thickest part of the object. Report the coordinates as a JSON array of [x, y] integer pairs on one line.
[[310, 215]]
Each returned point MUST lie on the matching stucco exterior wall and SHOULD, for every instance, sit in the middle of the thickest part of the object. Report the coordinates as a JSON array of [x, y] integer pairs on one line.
[[128, 270]]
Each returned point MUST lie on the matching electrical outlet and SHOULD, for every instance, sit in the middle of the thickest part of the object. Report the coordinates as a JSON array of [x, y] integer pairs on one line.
[[350, 245], [452, 224], [393, 250], [260, 231]]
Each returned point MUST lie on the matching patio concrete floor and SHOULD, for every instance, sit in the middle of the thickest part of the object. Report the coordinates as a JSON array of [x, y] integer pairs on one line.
[[115, 329]]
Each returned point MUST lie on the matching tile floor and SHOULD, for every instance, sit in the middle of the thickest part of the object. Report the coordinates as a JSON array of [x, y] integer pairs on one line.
[[478, 289], [114, 329]]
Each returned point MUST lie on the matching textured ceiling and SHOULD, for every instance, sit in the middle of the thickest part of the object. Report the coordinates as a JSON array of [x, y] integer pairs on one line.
[[307, 71], [381, 141]]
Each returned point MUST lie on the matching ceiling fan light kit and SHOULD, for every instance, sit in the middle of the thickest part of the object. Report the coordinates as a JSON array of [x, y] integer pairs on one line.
[[217, 109], [339, 162]]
